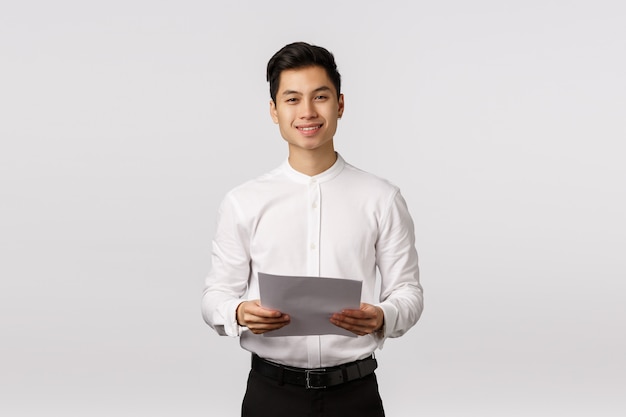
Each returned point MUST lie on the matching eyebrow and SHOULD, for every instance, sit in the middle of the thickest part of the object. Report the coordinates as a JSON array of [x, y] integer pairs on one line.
[[317, 90]]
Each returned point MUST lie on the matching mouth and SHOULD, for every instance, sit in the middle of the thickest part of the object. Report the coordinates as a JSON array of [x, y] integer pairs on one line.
[[309, 128]]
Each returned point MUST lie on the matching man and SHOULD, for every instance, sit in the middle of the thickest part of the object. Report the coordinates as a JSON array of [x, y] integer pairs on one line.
[[318, 216]]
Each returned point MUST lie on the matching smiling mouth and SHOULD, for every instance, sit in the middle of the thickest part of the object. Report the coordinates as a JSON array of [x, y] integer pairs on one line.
[[309, 128]]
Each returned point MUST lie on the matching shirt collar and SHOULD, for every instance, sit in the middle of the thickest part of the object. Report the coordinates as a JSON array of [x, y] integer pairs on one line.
[[327, 175]]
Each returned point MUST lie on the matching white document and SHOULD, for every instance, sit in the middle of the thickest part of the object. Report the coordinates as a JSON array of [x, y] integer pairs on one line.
[[309, 302]]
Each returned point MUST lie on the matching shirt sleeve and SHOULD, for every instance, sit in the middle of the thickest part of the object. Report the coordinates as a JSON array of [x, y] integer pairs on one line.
[[396, 257], [227, 281]]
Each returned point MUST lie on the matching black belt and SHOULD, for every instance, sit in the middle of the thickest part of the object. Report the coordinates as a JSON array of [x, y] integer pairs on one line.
[[314, 378]]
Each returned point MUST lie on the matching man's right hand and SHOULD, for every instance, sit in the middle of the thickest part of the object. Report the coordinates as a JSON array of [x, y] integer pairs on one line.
[[258, 319]]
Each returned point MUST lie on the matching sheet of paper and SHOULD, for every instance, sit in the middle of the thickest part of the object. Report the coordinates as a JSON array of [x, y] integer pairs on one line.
[[309, 301]]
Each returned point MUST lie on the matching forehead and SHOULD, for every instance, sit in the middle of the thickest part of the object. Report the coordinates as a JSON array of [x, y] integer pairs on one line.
[[304, 79]]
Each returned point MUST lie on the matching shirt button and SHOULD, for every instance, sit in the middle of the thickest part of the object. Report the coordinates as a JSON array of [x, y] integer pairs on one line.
[[313, 246], [314, 205]]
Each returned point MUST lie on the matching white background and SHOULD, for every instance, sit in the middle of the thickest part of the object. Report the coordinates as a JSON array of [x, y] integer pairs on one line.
[[123, 123]]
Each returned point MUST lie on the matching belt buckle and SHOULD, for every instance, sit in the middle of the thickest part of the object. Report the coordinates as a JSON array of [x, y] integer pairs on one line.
[[308, 373]]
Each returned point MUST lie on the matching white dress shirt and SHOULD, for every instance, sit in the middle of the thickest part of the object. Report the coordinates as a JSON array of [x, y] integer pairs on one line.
[[342, 223]]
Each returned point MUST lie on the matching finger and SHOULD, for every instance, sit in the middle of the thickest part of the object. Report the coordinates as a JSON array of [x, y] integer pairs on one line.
[[358, 327], [354, 316], [254, 319], [366, 310], [256, 309], [259, 328], [353, 329], [352, 313]]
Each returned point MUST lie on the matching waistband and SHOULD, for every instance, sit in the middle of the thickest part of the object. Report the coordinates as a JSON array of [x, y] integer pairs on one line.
[[316, 378]]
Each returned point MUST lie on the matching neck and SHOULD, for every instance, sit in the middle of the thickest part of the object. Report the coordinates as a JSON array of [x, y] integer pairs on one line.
[[312, 162]]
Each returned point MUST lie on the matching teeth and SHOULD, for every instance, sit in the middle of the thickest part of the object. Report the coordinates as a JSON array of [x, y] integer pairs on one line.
[[309, 128]]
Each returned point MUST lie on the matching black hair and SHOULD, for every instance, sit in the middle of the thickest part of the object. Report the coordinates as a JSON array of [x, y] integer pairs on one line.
[[300, 55]]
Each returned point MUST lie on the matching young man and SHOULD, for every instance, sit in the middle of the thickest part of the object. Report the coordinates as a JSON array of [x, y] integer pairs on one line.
[[318, 216]]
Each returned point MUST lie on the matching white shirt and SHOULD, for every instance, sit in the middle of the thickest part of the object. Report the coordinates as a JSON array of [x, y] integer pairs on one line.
[[342, 223]]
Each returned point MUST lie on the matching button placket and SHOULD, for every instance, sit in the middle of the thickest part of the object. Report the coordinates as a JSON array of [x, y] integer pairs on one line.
[[314, 227], [314, 219]]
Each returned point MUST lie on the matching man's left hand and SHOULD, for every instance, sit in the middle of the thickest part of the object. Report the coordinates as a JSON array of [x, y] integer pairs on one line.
[[368, 319]]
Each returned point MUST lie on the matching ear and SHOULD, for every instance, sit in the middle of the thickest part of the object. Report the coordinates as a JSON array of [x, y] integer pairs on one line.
[[273, 112], [340, 106]]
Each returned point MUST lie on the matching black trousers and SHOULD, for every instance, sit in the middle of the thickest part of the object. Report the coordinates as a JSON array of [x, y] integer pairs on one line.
[[267, 398]]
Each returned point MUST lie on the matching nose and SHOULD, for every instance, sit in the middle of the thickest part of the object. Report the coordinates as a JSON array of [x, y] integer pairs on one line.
[[308, 110]]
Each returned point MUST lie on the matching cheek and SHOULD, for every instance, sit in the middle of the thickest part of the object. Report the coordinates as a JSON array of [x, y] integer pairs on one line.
[[284, 116], [284, 121]]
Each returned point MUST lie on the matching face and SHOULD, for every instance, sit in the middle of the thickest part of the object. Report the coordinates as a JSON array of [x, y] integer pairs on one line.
[[307, 109]]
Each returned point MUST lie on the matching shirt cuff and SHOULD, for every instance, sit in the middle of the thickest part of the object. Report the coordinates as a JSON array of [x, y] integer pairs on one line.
[[231, 328], [391, 315]]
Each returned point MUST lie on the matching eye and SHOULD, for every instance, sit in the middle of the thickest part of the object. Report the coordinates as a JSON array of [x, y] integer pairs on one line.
[[321, 97], [291, 100]]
